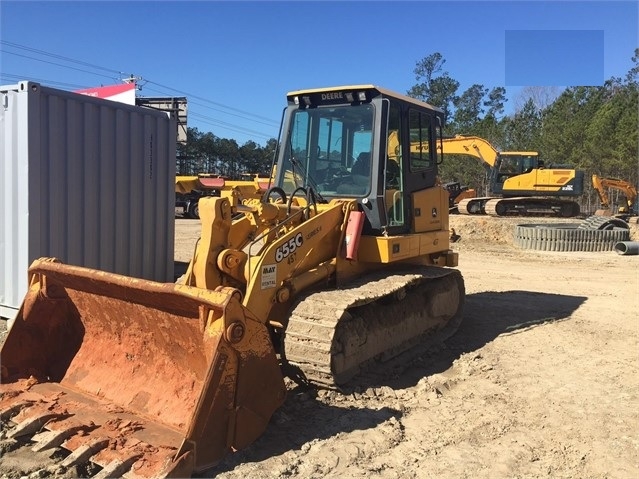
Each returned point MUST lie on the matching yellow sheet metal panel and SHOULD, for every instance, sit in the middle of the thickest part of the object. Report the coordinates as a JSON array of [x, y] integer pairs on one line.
[[388, 249], [186, 184], [433, 242], [430, 210]]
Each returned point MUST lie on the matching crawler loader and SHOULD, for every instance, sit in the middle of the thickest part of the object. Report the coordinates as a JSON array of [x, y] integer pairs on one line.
[[344, 263], [190, 189]]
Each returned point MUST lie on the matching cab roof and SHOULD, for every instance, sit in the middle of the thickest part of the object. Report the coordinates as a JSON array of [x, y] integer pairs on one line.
[[375, 89]]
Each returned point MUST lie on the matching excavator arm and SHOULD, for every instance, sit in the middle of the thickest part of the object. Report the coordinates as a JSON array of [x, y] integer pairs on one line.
[[601, 186], [471, 146]]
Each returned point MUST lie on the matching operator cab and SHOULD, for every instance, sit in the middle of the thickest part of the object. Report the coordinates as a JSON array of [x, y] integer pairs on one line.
[[510, 164], [361, 142]]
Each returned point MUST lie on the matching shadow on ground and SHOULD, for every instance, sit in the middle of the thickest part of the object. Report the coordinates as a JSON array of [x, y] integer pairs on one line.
[[304, 418], [488, 315]]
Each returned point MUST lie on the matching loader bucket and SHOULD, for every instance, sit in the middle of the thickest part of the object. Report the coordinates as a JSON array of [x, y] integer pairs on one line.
[[142, 379]]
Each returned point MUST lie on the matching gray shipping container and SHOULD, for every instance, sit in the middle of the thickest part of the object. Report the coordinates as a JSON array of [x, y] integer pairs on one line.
[[85, 180]]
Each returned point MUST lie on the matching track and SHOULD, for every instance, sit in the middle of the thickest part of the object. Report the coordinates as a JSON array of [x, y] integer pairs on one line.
[[333, 336], [583, 236], [472, 206], [598, 222], [520, 206]]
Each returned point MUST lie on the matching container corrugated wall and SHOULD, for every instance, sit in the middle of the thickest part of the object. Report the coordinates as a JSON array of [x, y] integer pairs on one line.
[[86, 180]]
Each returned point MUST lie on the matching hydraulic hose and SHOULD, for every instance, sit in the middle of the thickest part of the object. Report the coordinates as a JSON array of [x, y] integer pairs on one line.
[[627, 248]]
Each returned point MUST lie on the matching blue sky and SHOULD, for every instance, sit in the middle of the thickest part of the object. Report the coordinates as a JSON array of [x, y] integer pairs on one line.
[[236, 60]]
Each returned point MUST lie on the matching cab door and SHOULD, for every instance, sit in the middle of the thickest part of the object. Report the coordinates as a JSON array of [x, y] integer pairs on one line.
[[422, 161]]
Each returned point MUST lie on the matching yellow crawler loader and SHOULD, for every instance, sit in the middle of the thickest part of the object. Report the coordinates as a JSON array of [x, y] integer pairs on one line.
[[190, 189], [342, 264]]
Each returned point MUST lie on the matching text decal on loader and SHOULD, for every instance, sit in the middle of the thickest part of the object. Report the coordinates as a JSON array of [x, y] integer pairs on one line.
[[289, 247], [269, 276]]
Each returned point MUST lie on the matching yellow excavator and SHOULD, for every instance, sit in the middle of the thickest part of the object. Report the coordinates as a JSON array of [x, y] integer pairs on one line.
[[343, 264], [519, 183], [457, 193], [602, 185]]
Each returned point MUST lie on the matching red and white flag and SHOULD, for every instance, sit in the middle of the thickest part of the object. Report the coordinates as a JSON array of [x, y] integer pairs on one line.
[[124, 93]]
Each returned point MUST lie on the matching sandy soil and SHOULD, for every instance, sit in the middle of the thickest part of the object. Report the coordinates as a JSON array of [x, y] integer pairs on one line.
[[541, 380]]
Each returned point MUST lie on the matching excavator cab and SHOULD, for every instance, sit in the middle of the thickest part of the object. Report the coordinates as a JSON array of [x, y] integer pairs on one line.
[[513, 164]]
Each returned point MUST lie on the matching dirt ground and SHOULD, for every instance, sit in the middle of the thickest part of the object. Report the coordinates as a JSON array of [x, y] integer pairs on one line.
[[541, 380]]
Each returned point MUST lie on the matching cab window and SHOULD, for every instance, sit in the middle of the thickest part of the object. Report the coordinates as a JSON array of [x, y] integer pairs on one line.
[[393, 174], [330, 150], [420, 137]]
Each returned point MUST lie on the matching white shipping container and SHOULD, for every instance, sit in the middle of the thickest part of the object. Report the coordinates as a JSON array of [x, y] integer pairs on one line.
[[85, 180]]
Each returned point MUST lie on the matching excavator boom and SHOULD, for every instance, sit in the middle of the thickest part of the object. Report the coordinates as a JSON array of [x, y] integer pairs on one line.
[[602, 185]]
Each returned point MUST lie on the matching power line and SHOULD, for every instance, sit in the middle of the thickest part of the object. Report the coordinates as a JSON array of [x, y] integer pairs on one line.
[[57, 64], [229, 126], [269, 123], [237, 112], [270, 120], [54, 55], [14, 77], [120, 73], [219, 123]]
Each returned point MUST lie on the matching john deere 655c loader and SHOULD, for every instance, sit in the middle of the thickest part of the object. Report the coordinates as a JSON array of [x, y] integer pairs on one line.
[[343, 263]]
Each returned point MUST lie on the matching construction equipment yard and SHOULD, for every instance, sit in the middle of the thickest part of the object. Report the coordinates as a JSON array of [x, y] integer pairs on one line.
[[541, 380]]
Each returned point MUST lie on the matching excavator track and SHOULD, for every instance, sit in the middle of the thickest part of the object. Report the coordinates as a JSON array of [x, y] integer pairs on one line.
[[472, 206], [524, 206], [333, 336], [519, 206], [597, 222]]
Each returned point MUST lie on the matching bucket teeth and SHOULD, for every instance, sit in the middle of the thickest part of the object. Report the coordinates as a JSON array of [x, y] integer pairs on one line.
[[89, 439], [32, 425], [14, 409], [117, 468], [51, 439], [84, 452]]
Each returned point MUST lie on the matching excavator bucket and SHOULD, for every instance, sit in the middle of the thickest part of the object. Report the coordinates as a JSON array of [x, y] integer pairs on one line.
[[132, 377]]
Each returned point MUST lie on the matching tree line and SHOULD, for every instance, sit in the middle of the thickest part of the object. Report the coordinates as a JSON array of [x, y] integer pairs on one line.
[[592, 128], [204, 152]]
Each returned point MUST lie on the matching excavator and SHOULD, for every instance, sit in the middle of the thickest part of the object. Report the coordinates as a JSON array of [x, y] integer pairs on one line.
[[519, 182], [457, 193], [602, 185], [341, 267]]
